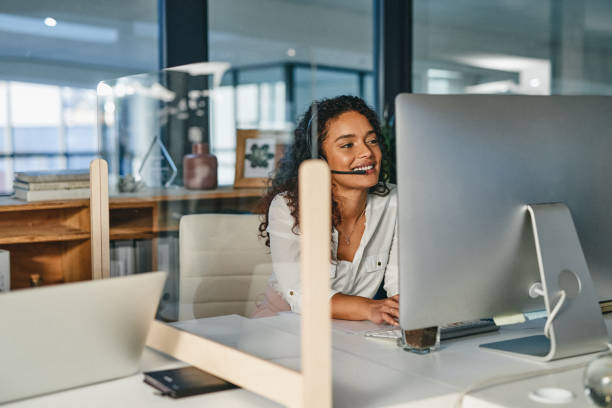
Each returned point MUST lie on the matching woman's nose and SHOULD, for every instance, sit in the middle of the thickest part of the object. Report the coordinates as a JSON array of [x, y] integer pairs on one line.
[[365, 151]]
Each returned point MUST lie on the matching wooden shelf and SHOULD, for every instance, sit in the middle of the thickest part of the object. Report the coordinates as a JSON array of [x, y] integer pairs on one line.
[[181, 194], [8, 204], [168, 228], [53, 237], [46, 234], [131, 233]]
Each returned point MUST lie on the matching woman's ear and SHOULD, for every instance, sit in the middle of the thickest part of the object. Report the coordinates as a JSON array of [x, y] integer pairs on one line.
[[322, 154]]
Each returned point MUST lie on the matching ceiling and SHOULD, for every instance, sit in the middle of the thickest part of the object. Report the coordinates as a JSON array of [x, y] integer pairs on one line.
[[104, 39]]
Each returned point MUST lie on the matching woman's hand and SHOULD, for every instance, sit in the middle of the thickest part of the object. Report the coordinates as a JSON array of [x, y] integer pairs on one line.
[[384, 311], [350, 307]]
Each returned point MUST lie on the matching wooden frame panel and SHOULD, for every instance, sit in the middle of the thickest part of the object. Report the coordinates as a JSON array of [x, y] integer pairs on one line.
[[98, 207], [315, 224], [313, 386], [271, 380]]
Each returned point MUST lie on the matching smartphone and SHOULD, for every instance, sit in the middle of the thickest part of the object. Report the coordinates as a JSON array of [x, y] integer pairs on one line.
[[185, 381]]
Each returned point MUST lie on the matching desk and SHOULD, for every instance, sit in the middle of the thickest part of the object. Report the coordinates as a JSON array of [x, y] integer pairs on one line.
[[367, 372]]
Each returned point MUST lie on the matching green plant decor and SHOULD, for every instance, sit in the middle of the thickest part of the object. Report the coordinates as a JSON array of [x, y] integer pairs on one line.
[[388, 140], [259, 156]]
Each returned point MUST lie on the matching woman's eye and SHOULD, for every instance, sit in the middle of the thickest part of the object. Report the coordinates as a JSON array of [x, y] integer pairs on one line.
[[346, 146], [373, 141]]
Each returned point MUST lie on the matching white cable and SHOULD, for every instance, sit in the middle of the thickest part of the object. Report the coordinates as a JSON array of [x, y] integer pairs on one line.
[[554, 313], [508, 378], [536, 290], [499, 380]]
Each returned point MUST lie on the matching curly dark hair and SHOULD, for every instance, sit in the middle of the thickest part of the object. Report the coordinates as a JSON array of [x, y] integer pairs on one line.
[[285, 179]]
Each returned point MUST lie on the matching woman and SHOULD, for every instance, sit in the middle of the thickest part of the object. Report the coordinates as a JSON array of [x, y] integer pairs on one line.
[[364, 212]]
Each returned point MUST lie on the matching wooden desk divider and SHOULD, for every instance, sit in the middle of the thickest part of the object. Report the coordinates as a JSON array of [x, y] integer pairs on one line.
[[312, 387], [98, 209], [315, 225]]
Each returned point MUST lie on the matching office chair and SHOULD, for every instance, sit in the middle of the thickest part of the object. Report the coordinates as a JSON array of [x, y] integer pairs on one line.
[[224, 266]]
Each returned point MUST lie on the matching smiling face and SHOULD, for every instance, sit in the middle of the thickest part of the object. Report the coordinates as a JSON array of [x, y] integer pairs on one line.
[[352, 144]]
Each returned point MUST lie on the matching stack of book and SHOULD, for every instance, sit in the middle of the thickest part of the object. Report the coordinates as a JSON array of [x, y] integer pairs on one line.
[[606, 306], [51, 185]]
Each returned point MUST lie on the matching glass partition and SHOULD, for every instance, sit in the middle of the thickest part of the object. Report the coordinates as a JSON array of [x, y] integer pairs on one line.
[[170, 211], [157, 136], [53, 56], [178, 143]]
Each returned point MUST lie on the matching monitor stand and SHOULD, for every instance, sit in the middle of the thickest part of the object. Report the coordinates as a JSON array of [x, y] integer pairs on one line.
[[579, 327]]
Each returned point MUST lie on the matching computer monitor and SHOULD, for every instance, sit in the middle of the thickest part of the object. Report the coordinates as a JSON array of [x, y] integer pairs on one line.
[[477, 176]]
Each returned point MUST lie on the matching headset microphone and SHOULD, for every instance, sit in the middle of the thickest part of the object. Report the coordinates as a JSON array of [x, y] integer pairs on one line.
[[349, 172]]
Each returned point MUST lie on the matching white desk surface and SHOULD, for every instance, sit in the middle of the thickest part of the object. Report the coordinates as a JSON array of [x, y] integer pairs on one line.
[[367, 372]]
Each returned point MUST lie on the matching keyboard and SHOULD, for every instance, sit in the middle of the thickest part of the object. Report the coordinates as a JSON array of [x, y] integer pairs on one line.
[[449, 331]]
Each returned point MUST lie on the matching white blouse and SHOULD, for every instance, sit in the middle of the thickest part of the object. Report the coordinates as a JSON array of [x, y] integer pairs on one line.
[[375, 259]]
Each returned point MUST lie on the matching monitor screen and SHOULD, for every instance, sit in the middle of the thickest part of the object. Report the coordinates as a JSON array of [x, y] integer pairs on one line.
[[468, 166]]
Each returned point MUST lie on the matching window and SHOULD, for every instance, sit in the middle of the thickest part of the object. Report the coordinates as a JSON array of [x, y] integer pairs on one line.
[[53, 56], [520, 47], [272, 55]]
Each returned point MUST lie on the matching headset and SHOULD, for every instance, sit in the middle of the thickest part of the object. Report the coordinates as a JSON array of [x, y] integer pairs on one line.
[[312, 142]]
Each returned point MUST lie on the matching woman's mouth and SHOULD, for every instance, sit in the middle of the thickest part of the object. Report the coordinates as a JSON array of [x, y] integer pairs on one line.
[[368, 169]]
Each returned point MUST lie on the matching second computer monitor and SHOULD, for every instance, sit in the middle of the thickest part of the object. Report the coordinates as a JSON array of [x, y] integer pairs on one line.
[[468, 166]]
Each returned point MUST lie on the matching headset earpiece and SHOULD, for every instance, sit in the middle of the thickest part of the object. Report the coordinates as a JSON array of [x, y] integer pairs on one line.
[[308, 136]]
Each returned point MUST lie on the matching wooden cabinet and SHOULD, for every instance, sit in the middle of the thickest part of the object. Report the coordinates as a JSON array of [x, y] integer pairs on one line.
[[52, 239]]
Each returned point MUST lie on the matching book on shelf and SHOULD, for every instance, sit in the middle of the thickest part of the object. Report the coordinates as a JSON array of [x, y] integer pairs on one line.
[[123, 252], [144, 255], [168, 260], [52, 175], [129, 256], [5, 271], [45, 195], [50, 185]]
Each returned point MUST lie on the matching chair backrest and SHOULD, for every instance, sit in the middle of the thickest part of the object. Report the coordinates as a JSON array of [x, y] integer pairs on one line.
[[224, 265]]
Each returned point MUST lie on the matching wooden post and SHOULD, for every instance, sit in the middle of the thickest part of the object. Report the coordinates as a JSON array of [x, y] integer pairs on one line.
[[315, 226], [266, 378], [98, 209], [313, 386]]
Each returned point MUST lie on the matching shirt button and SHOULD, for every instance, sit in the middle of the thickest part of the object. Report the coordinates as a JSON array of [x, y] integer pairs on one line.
[[290, 293], [379, 263]]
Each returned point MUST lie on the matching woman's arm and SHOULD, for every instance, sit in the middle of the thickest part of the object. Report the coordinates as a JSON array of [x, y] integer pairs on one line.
[[349, 307], [285, 252]]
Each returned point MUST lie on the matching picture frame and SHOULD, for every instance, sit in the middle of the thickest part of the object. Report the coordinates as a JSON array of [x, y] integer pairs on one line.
[[257, 155]]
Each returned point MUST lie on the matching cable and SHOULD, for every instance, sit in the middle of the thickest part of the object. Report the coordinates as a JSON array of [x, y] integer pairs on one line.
[[535, 290], [505, 379], [554, 313]]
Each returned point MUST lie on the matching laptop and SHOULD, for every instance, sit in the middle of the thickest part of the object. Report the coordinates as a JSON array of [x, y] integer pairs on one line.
[[69, 335]]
